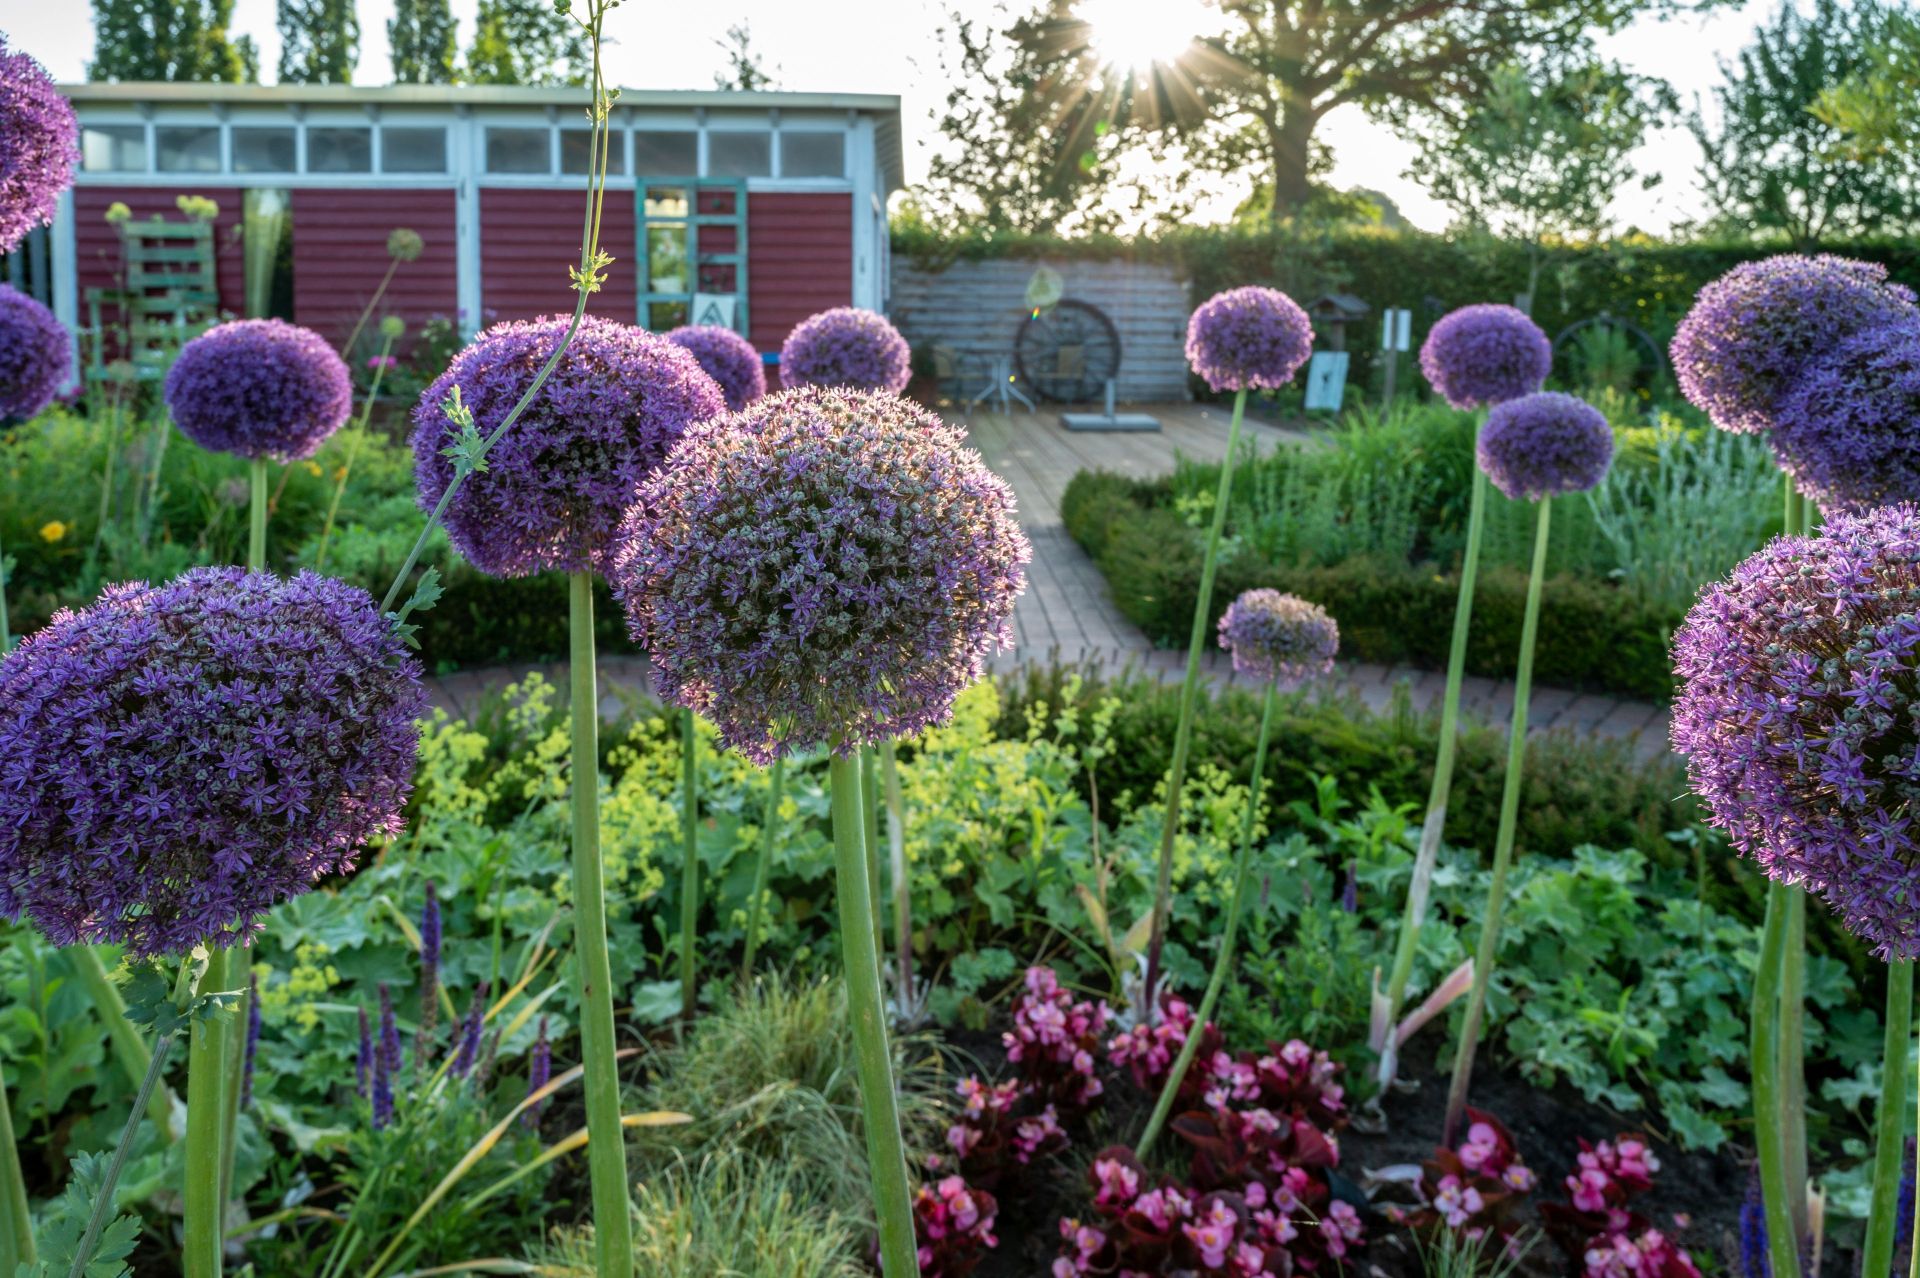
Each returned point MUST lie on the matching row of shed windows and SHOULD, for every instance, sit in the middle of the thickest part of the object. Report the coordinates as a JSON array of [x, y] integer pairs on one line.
[[511, 149]]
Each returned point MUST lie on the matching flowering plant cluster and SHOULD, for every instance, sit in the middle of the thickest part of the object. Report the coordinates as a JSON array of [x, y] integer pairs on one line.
[[954, 1224], [36, 356], [1278, 637], [728, 358], [846, 347], [1473, 1189], [38, 146], [259, 388], [1248, 339], [1485, 354], [1597, 1227], [1848, 428], [1546, 443]]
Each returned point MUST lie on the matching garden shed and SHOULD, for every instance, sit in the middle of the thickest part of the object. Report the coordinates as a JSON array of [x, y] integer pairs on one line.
[[747, 209]]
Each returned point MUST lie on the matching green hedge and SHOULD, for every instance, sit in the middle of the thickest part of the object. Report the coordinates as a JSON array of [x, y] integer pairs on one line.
[[1592, 635]]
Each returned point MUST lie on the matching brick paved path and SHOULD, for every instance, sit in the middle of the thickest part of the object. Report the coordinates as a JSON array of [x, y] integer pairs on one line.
[[1066, 612]]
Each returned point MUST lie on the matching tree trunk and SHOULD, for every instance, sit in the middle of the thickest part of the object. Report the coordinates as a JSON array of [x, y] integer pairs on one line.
[[1290, 141]]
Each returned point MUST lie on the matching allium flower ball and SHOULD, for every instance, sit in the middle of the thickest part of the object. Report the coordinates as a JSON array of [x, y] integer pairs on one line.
[[36, 355], [826, 566], [728, 358], [1248, 339], [259, 388], [1797, 714], [557, 482], [1543, 444], [38, 147], [177, 760], [1744, 342], [847, 347], [1485, 354], [1279, 637], [404, 245], [1848, 430]]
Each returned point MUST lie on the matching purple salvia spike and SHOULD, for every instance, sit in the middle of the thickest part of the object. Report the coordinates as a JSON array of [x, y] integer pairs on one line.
[[539, 1073], [469, 1051], [382, 1092], [389, 1053]]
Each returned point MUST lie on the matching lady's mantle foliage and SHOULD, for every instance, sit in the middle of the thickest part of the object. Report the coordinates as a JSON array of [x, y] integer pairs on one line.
[[177, 760]]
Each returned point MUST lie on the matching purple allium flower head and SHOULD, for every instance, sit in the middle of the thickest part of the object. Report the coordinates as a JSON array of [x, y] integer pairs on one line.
[[253, 1040], [1742, 345], [1848, 430], [728, 358], [1796, 712], [1545, 443], [38, 146], [1279, 637], [1248, 339], [363, 1062], [539, 1073], [468, 1050], [36, 355], [177, 760], [259, 388], [848, 348], [1484, 354], [556, 483], [826, 566]]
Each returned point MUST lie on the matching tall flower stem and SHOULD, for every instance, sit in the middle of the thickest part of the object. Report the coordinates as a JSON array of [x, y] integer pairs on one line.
[[1189, 696], [202, 1253], [606, 1145], [257, 518], [353, 451], [1783, 1251], [129, 1047], [870, 793], [886, 1153], [1890, 1122], [1421, 887], [763, 863], [16, 1219], [1223, 961], [1503, 840], [690, 867], [902, 885], [366, 312]]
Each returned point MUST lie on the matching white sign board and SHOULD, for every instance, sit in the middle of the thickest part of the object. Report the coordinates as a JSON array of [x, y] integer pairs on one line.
[[713, 308], [1396, 330], [1326, 380]]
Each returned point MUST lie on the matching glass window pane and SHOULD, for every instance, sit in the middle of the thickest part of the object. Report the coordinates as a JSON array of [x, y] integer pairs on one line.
[[666, 154], [262, 150], [813, 155], [664, 316], [189, 148], [666, 201], [667, 259], [110, 148], [739, 154], [519, 151], [413, 150], [339, 150], [574, 148]]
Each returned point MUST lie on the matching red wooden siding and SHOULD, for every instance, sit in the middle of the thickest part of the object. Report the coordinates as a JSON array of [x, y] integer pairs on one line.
[[340, 254], [528, 239], [97, 245], [799, 260]]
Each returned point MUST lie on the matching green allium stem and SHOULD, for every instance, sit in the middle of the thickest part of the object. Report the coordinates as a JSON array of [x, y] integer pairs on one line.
[[606, 1143], [870, 794], [1503, 840], [763, 863], [236, 1048], [129, 1047], [203, 1251], [886, 1153], [1890, 1123], [257, 518], [690, 864], [1223, 961], [106, 471], [1189, 696], [1793, 1072], [16, 1218], [162, 432], [902, 884], [1434, 827], [353, 451], [366, 312], [1783, 1251]]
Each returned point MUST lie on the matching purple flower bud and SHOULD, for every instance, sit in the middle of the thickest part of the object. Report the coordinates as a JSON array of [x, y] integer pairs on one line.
[[469, 1049], [539, 1073], [259, 388], [382, 1092], [1248, 338], [848, 348], [363, 1063], [1279, 637], [36, 355], [38, 133], [728, 358], [1848, 429], [1350, 893], [1545, 443], [1484, 354], [253, 1041]]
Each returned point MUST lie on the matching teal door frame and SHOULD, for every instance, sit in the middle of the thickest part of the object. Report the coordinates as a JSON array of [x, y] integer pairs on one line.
[[694, 221]]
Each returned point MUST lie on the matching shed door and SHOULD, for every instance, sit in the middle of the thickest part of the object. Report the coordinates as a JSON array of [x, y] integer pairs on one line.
[[693, 252]]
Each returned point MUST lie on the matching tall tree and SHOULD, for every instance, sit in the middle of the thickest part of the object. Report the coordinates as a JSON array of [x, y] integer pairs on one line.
[[319, 41], [526, 42], [1249, 99], [1541, 154], [1877, 108], [421, 37], [746, 67], [184, 40], [1770, 163]]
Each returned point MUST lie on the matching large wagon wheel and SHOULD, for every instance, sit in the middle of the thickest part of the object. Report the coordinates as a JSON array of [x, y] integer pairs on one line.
[[1067, 352], [1607, 351]]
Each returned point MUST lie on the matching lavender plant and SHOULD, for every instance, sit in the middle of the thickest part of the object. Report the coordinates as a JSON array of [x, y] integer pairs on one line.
[[826, 568], [38, 147], [1283, 641], [1475, 356], [847, 347], [1532, 449], [728, 358], [1242, 339]]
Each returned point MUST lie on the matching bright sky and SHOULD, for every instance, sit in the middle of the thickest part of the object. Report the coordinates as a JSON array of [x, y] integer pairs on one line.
[[888, 46]]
